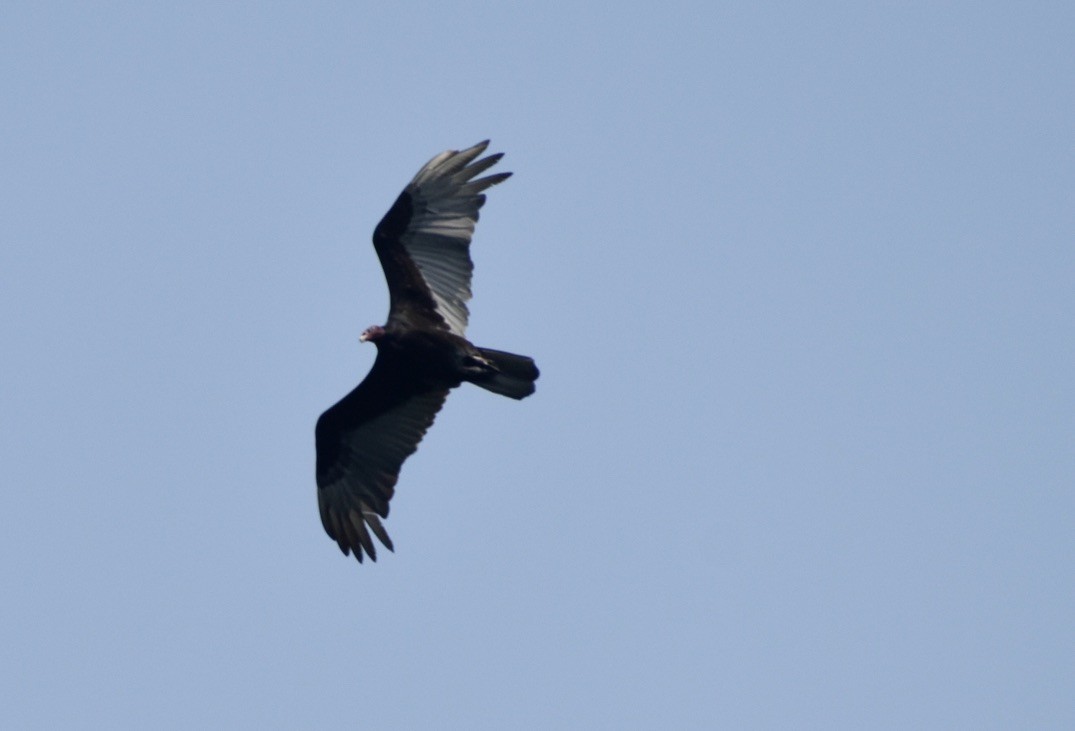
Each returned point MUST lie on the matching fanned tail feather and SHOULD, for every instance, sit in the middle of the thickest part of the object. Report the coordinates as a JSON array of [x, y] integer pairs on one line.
[[514, 376]]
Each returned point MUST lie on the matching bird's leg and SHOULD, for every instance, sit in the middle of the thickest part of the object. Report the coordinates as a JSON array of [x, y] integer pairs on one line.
[[475, 365]]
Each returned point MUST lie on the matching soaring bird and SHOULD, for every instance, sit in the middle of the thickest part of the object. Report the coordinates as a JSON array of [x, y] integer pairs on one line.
[[423, 243]]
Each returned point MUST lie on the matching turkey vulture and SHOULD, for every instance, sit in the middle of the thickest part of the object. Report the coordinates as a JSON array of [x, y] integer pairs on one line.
[[423, 243]]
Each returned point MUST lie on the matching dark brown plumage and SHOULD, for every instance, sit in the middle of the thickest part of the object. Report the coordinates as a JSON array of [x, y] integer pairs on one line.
[[423, 243]]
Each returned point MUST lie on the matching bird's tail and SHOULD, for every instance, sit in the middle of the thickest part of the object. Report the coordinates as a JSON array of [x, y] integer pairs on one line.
[[514, 375]]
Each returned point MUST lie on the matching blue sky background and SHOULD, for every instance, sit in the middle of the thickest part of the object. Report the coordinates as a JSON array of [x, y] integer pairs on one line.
[[800, 280]]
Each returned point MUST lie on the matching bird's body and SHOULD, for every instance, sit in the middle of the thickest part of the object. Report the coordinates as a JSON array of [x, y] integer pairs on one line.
[[423, 244]]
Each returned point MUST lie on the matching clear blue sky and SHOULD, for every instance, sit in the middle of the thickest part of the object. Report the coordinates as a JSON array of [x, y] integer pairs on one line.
[[800, 280]]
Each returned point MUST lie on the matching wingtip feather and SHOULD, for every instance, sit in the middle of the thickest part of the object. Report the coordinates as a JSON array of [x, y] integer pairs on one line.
[[379, 531]]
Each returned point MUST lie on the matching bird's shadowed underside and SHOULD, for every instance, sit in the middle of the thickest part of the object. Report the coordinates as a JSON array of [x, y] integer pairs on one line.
[[423, 244]]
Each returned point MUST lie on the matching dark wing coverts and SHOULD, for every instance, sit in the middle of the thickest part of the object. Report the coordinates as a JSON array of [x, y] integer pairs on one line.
[[362, 442]]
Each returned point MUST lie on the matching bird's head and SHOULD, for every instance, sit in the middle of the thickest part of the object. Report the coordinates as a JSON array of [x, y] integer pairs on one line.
[[372, 333]]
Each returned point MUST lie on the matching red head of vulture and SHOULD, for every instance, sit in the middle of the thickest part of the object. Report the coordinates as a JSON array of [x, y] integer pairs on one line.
[[423, 243]]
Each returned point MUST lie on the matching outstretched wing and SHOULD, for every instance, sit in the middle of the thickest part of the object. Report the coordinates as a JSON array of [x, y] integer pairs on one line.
[[362, 442], [423, 241]]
